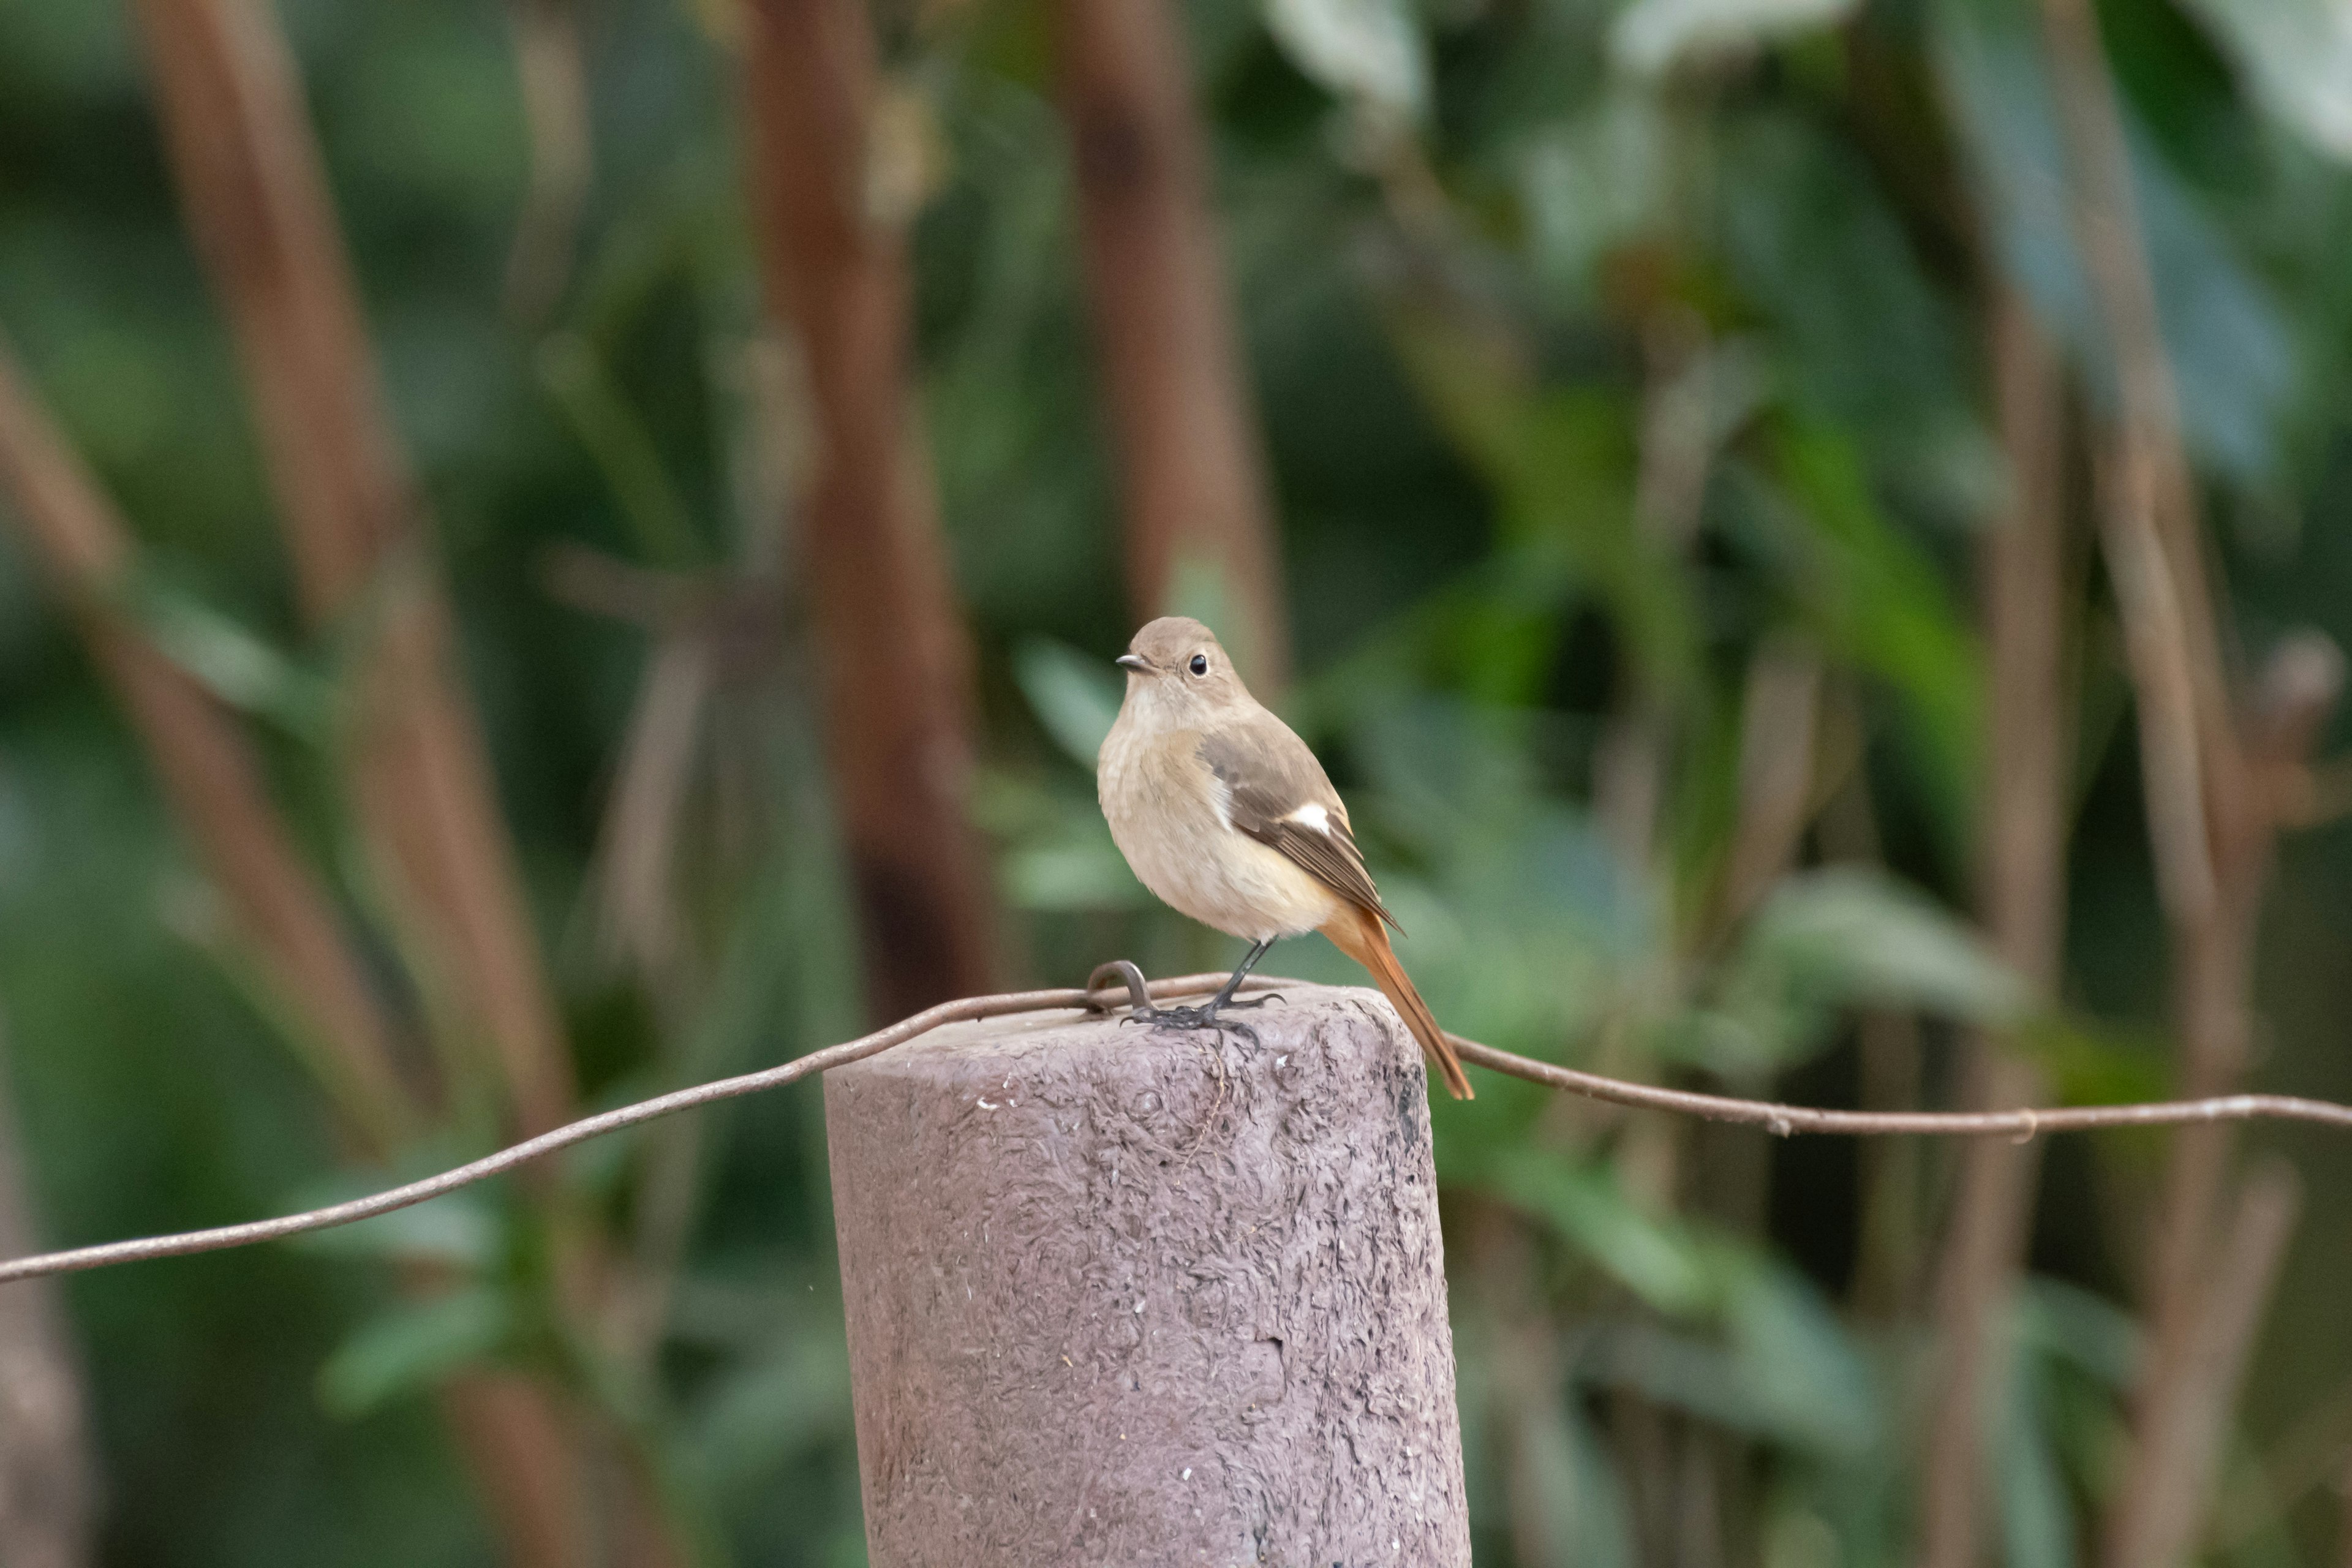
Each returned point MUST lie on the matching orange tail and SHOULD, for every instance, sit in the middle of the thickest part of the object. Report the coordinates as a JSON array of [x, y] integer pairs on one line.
[[1357, 933]]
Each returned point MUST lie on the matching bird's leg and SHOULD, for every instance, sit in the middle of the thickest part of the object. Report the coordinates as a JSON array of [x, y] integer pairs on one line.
[[1224, 998], [1204, 1017]]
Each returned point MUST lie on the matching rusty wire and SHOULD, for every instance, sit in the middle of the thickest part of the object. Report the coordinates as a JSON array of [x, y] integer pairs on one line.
[[1782, 1120]]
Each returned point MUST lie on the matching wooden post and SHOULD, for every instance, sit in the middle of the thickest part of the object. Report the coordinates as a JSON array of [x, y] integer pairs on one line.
[[1118, 1295]]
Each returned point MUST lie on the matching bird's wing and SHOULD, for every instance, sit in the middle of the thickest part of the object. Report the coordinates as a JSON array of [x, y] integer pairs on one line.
[[1276, 793]]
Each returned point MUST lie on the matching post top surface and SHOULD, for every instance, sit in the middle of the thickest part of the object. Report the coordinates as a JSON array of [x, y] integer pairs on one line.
[[1025, 1037]]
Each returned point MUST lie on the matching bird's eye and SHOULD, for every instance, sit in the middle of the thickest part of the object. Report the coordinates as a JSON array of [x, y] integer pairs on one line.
[[1200, 665]]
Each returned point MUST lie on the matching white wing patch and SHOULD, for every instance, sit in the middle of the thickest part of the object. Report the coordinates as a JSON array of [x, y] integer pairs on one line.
[[1314, 816], [1220, 796]]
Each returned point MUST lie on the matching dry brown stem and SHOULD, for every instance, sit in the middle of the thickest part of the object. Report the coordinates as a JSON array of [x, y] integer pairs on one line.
[[1192, 477], [1890, 1244], [1777, 724], [2023, 846], [255, 199], [48, 1494], [892, 661], [2162, 1522], [508, 1430], [553, 79], [2206, 772], [1629, 769]]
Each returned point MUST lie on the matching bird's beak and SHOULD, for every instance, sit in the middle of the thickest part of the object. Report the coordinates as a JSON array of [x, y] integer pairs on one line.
[[1133, 661]]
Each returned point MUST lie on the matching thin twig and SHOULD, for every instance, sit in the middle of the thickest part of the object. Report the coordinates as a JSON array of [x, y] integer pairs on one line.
[[1781, 1120]]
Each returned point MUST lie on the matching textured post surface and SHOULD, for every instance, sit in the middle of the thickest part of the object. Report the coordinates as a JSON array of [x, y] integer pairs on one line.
[[1129, 1296]]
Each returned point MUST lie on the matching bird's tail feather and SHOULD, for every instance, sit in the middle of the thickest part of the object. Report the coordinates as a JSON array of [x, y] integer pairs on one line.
[[1357, 932]]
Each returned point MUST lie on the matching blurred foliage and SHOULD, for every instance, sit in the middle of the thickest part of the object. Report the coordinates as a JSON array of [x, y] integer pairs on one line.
[[1612, 357]]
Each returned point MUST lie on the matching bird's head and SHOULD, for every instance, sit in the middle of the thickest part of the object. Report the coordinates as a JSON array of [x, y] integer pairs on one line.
[[1177, 675]]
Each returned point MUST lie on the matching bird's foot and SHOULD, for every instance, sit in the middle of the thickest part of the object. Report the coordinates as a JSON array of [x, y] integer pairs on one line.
[[1201, 1017], [1260, 1000], [1141, 1010]]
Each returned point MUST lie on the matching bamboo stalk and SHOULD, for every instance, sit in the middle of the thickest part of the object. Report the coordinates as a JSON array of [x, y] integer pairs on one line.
[[423, 796], [1192, 472], [892, 662], [255, 199], [215, 791]]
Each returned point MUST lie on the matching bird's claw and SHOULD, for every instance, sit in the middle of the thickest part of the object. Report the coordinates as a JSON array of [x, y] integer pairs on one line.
[[1202, 1018], [1140, 1009]]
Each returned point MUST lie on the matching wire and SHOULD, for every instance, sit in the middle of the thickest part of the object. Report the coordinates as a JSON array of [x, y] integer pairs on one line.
[[1782, 1120]]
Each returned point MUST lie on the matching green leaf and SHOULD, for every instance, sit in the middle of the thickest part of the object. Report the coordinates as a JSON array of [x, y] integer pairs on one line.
[[1590, 182], [772, 1409], [1366, 52], [454, 1231], [1057, 849], [611, 433], [1878, 602], [2037, 1526], [2069, 1325], [1797, 1363], [1855, 330], [2089, 1062], [1573, 480], [1848, 936], [226, 658], [1076, 696], [2233, 358], [2298, 56], [1656, 1259], [1081, 869], [1842, 937], [412, 1346], [1652, 36], [1786, 1369]]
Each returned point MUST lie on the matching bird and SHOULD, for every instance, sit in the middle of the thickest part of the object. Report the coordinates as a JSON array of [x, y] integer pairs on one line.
[[1223, 813]]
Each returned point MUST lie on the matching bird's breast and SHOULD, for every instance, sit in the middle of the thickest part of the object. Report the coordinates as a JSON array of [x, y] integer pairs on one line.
[[1167, 814]]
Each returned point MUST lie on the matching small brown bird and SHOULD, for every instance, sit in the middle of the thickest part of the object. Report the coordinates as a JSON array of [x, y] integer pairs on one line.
[[1227, 818]]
